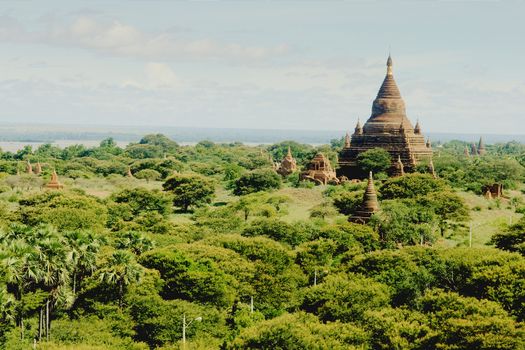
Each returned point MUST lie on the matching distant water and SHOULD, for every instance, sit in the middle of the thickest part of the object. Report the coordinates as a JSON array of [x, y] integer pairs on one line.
[[14, 137], [13, 146]]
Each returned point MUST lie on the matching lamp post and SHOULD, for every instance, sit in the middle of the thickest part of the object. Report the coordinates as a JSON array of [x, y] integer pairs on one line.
[[186, 325]]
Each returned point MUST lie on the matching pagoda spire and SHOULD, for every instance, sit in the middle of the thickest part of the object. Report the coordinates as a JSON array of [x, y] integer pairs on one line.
[[466, 151], [347, 141], [473, 149], [389, 70], [370, 203], [38, 169], [369, 206], [29, 167], [358, 127], [431, 169], [481, 147], [289, 154], [401, 128], [389, 87], [417, 128], [54, 183], [399, 167]]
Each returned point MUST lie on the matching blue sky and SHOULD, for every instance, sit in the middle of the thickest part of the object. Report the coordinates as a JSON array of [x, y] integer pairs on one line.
[[262, 64]]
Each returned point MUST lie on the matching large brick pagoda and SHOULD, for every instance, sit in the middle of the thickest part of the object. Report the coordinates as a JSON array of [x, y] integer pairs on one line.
[[389, 128]]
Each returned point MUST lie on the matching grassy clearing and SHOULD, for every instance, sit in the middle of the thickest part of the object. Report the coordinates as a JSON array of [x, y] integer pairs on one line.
[[487, 218], [301, 201]]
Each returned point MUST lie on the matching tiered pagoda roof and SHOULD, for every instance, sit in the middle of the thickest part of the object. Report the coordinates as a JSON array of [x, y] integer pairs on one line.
[[389, 128], [320, 171], [288, 164]]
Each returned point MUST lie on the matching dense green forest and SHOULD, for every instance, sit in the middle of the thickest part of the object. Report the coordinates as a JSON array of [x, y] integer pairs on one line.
[[209, 241]]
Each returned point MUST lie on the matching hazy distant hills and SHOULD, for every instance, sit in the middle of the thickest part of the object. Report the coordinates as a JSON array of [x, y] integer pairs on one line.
[[52, 133]]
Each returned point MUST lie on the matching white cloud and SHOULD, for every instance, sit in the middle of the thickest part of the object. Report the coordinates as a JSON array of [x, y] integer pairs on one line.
[[122, 39], [161, 75]]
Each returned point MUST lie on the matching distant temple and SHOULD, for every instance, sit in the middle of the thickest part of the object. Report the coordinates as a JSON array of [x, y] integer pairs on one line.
[[493, 191], [481, 147], [54, 183], [320, 171], [476, 149], [369, 206], [29, 167], [288, 165], [38, 168], [389, 128]]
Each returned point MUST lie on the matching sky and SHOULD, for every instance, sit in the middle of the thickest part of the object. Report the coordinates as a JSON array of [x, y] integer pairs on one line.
[[316, 65]]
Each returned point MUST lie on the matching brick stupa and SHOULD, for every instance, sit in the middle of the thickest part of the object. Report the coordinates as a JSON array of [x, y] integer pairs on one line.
[[389, 128], [369, 206], [54, 184]]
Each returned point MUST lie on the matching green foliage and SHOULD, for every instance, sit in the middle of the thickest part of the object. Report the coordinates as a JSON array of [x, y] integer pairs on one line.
[[512, 239], [64, 210], [411, 186], [141, 200], [118, 268], [376, 160], [158, 322], [345, 298], [188, 279], [256, 181], [189, 190], [398, 328], [90, 333], [148, 175], [121, 270], [468, 323], [164, 143], [405, 222], [300, 331], [277, 230], [348, 202]]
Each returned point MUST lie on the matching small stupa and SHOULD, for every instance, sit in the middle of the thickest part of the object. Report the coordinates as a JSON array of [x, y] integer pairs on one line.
[[431, 169], [399, 168], [38, 168], [129, 173], [29, 167], [288, 164], [466, 152], [473, 149], [369, 206], [54, 183]]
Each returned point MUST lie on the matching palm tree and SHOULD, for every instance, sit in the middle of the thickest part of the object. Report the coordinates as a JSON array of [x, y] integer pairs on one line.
[[17, 259], [7, 312], [121, 270], [54, 266], [134, 241], [83, 250]]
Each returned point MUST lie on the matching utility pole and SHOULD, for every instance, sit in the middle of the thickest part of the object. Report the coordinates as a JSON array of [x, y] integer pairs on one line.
[[186, 325], [184, 331], [251, 304], [315, 277], [470, 236]]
